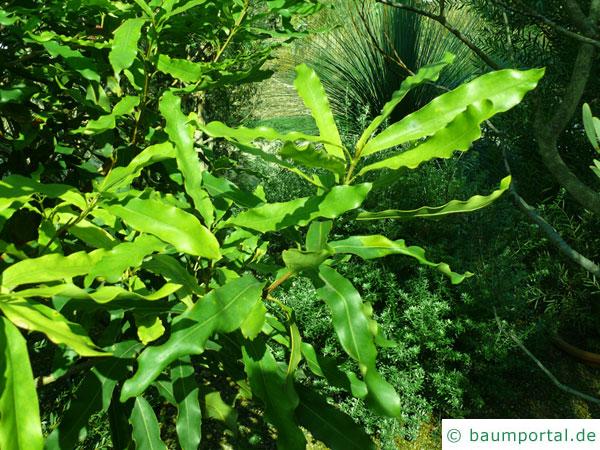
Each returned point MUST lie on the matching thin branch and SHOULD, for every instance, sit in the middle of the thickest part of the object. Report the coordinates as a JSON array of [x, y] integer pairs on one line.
[[549, 230], [48, 379], [550, 375], [441, 19], [525, 11]]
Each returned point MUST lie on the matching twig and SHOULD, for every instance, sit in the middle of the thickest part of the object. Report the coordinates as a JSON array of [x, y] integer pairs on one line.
[[557, 383], [48, 379], [441, 19]]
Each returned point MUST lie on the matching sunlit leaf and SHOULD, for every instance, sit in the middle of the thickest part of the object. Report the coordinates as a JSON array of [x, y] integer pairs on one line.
[[20, 427], [146, 431], [125, 42]]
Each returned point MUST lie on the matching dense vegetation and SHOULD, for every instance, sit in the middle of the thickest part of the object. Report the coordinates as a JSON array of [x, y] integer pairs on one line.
[[213, 232]]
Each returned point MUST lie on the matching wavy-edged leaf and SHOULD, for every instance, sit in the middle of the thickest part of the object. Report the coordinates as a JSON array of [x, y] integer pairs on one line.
[[20, 189], [185, 7], [503, 89], [328, 424], [458, 135], [298, 260], [353, 328], [86, 67], [34, 316], [310, 156], [124, 256], [20, 426], [271, 385], [221, 310], [104, 294], [189, 415], [107, 122], [221, 187], [172, 270], [317, 234], [377, 246], [313, 94], [125, 42], [217, 409], [181, 69], [49, 268], [301, 211], [149, 327], [123, 176], [169, 223], [92, 396], [246, 136], [427, 73], [453, 207], [181, 134], [146, 431]]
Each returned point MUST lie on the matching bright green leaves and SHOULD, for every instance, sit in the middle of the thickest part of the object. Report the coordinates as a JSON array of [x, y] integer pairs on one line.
[[453, 207], [107, 122], [185, 393], [125, 44], [49, 268], [591, 125], [502, 89], [355, 331], [276, 391], [169, 223], [376, 246], [221, 310], [182, 135], [180, 69], [301, 211], [34, 316], [427, 73], [86, 67], [146, 432], [311, 91], [20, 427]]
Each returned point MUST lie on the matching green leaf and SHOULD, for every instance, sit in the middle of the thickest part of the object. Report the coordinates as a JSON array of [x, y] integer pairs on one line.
[[173, 271], [298, 260], [310, 156], [353, 328], [149, 328], [189, 415], [217, 409], [92, 396], [592, 127], [123, 176], [502, 89], [20, 189], [107, 122], [271, 385], [253, 323], [182, 134], [185, 7], [313, 94], [377, 246], [74, 59], [103, 294], [169, 223], [458, 135], [317, 234], [427, 73], [301, 211], [145, 7], [328, 424], [49, 268], [20, 426], [125, 42], [181, 69], [33, 316], [146, 431], [221, 187], [124, 256], [453, 207], [221, 310]]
